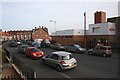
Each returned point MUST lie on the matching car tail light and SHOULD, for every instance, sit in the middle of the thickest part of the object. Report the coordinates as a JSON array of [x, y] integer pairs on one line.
[[62, 62]]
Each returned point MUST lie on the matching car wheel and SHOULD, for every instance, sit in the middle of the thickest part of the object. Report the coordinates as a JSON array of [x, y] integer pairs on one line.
[[90, 53], [58, 67], [104, 55]]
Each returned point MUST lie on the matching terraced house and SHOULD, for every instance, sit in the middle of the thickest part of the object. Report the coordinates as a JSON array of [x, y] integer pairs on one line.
[[37, 33]]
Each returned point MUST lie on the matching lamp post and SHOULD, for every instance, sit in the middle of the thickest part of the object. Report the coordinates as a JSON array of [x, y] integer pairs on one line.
[[55, 27]]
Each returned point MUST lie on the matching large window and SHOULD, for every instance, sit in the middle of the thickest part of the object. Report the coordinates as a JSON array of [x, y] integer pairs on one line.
[[96, 30]]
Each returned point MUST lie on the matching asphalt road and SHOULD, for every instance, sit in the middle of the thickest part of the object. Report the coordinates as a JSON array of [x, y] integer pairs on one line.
[[88, 66]]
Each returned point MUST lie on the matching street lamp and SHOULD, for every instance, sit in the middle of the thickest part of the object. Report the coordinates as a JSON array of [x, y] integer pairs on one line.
[[55, 26]]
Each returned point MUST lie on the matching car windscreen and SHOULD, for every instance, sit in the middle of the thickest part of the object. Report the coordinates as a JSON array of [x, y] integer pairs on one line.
[[77, 46], [25, 46], [34, 50], [67, 57]]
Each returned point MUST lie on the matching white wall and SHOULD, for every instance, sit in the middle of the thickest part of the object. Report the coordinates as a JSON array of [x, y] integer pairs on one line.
[[103, 29], [69, 32]]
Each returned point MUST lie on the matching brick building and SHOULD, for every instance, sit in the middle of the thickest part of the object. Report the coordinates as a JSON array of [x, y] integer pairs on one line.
[[99, 17], [69, 36], [4, 36], [116, 20], [40, 33], [100, 32], [103, 33], [20, 34], [37, 33]]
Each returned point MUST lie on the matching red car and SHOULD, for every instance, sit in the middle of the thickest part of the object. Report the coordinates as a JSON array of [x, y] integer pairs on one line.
[[33, 52]]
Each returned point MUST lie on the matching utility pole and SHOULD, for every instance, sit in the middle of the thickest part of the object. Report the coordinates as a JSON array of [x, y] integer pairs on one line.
[[84, 29]]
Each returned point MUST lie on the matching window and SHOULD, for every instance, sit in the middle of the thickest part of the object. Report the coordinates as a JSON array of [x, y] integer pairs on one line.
[[67, 57], [96, 29], [34, 50], [55, 57]]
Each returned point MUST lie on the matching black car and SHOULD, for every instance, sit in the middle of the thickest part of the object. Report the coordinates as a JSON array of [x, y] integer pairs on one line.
[[22, 48], [13, 44], [57, 46], [75, 48], [45, 43]]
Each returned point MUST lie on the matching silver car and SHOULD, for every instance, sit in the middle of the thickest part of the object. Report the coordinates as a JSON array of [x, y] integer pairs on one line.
[[101, 50], [61, 60]]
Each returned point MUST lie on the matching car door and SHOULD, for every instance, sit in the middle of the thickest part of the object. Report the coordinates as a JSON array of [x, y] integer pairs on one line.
[[94, 51], [70, 48], [26, 51], [55, 58], [73, 48], [30, 53], [101, 50], [48, 59]]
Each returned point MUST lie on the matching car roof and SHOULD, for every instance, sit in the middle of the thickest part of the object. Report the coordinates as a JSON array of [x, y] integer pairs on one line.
[[31, 47], [24, 45], [61, 53], [104, 46]]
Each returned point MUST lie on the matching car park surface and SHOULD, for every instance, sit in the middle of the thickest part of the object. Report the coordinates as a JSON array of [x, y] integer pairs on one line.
[[87, 66]]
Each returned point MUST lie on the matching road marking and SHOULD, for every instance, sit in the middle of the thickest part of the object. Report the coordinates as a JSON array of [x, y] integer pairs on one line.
[[65, 75]]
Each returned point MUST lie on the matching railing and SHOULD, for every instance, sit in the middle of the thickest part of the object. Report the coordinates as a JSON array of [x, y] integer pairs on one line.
[[27, 71]]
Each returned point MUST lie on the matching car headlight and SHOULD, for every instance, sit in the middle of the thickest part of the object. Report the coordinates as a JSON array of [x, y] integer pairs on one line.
[[42, 53], [34, 54]]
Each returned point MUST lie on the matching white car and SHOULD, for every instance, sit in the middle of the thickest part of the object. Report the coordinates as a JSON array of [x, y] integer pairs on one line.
[[61, 60]]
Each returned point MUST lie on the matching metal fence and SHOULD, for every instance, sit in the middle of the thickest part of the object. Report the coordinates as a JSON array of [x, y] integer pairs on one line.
[[12, 77], [27, 71]]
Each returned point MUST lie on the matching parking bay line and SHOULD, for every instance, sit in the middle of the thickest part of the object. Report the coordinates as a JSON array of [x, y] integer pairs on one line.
[[65, 75]]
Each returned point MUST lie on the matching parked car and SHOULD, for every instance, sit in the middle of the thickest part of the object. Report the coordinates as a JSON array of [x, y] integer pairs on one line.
[[75, 48], [13, 44], [18, 42], [57, 46], [45, 43], [33, 52], [22, 48], [23, 41], [60, 60], [35, 44], [101, 50]]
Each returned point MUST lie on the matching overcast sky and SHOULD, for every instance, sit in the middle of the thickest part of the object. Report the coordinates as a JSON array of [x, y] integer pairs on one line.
[[67, 14]]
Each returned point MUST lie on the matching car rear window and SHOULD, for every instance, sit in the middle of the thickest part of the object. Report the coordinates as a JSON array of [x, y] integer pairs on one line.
[[104, 48], [109, 48], [67, 57], [34, 50]]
